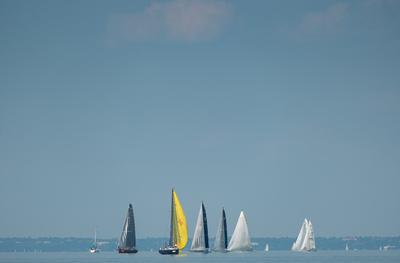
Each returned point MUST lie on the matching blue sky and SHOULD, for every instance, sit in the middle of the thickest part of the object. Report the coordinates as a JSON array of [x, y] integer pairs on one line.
[[285, 109]]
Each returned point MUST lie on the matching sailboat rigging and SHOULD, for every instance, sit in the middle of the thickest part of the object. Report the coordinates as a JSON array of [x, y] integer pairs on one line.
[[240, 240], [94, 248], [127, 241], [221, 238], [200, 238], [178, 237], [305, 240]]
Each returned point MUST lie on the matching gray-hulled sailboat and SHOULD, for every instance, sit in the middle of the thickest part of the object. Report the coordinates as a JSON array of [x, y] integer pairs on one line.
[[221, 238], [127, 241], [200, 238]]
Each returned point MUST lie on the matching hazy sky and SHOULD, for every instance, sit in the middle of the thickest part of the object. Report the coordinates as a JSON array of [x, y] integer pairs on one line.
[[285, 109]]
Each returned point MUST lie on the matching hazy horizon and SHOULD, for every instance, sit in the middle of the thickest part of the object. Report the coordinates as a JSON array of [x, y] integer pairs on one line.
[[283, 109]]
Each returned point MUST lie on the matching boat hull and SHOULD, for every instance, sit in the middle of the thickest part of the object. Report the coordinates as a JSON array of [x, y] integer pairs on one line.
[[205, 251], [169, 251], [127, 250]]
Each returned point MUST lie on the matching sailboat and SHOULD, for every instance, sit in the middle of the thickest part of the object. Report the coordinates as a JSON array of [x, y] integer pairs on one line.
[[94, 248], [240, 240], [305, 240], [200, 238], [221, 238], [127, 241], [347, 247], [266, 247], [178, 236]]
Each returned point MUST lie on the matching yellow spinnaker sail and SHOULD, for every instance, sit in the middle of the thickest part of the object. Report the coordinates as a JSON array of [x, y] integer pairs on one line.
[[180, 226]]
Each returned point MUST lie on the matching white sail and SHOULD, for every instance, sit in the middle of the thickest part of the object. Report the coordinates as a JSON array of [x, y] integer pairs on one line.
[[305, 240], [200, 238], [309, 241], [300, 238], [240, 240], [266, 247], [221, 239], [347, 247]]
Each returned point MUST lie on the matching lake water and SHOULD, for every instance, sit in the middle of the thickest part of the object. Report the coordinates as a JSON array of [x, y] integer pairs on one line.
[[252, 257]]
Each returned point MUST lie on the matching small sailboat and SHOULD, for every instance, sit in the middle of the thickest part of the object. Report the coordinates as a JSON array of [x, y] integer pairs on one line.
[[127, 241], [305, 240], [240, 240], [221, 238], [200, 238], [94, 248], [347, 247], [266, 247], [178, 236]]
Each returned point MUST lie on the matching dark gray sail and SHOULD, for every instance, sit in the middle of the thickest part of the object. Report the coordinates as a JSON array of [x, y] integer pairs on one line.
[[127, 242], [221, 239]]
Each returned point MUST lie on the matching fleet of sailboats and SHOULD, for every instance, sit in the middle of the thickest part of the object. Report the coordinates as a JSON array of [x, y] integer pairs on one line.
[[240, 239], [305, 240], [127, 241]]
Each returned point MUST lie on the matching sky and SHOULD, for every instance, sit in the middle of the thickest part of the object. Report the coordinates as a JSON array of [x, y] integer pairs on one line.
[[283, 109]]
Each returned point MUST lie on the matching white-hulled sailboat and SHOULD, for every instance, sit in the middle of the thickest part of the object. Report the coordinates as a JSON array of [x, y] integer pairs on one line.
[[200, 238], [266, 247], [94, 248], [240, 240], [305, 240], [221, 238]]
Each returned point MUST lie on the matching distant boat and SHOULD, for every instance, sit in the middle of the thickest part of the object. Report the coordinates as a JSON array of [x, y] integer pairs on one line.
[[266, 247], [221, 238], [178, 236], [240, 240], [200, 238], [305, 240], [347, 247], [94, 248], [127, 241]]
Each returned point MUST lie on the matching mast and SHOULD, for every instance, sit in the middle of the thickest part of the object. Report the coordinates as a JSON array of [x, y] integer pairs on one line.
[[95, 238], [171, 232]]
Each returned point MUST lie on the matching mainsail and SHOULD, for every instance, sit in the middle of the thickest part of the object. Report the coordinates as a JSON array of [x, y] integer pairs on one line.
[[240, 240], [127, 240], [200, 238], [178, 231], [305, 240], [221, 239], [309, 241], [300, 238]]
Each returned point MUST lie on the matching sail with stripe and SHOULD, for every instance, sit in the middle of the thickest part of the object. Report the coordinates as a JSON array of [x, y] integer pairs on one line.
[[127, 241], [221, 238], [200, 238]]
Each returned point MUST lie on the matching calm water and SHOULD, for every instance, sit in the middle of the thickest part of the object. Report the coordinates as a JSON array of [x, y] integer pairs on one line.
[[253, 257]]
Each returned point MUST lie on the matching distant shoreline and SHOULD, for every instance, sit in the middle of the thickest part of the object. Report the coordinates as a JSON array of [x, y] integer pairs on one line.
[[77, 244]]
